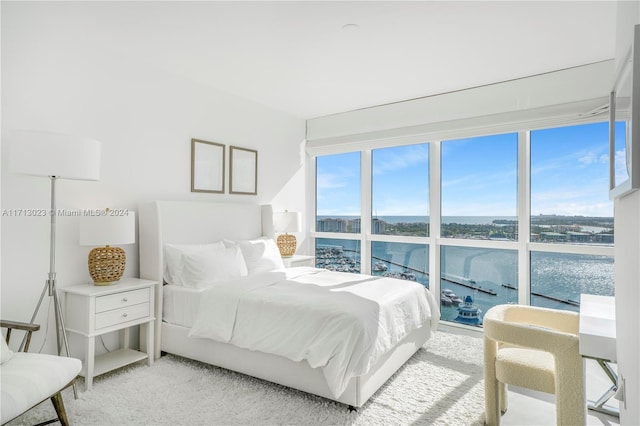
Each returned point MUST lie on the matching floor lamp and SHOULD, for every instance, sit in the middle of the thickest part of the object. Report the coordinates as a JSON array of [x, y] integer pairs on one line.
[[55, 156]]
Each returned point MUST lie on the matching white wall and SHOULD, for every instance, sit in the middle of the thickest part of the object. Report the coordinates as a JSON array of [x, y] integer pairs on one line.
[[145, 120], [627, 236]]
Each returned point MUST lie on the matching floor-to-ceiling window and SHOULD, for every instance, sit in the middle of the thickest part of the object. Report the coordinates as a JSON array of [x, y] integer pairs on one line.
[[519, 217], [338, 212], [571, 215], [400, 212]]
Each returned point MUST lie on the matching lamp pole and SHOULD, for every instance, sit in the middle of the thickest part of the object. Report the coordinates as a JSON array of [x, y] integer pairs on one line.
[[61, 333]]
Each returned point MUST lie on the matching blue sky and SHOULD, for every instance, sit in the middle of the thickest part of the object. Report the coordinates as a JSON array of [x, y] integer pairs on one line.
[[569, 176]]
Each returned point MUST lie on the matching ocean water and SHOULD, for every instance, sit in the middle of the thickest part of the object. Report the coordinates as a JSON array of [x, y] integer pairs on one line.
[[557, 279], [466, 220]]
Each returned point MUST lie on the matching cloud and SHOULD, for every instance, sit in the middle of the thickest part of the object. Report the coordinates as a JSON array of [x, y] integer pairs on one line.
[[398, 159]]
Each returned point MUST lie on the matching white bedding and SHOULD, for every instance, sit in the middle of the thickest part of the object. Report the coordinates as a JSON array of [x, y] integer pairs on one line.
[[340, 322], [180, 304]]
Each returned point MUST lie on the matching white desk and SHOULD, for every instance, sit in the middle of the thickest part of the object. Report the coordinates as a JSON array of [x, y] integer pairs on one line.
[[597, 333]]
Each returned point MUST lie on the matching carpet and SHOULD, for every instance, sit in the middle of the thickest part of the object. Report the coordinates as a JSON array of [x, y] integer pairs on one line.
[[441, 384]]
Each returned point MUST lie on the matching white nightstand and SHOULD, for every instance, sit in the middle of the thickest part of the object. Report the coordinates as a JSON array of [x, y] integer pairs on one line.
[[95, 310], [299, 260]]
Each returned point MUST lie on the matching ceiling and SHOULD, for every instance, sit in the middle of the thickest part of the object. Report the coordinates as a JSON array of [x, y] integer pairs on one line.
[[298, 57]]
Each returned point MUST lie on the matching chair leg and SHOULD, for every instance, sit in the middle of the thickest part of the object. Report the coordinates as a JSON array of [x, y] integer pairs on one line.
[[491, 384], [570, 390], [504, 402], [58, 404]]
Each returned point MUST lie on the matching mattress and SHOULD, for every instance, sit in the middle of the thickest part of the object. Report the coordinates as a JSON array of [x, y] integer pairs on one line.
[[180, 304]]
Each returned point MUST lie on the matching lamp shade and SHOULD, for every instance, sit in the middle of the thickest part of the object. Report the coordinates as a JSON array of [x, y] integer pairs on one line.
[[106, 228], [54, 154], [286, 222]]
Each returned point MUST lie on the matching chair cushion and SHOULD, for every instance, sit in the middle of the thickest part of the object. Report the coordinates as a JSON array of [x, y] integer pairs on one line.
[[29, 378], [527, 368]]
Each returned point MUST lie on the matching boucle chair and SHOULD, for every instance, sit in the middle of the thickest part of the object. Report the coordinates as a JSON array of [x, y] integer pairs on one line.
[[27, 379], [534, 348]]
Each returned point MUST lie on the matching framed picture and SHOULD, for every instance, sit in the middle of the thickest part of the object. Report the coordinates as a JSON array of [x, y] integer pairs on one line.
[[207, 167], [243, 171]]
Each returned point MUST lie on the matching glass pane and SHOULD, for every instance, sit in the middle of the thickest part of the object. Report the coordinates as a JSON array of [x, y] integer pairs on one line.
[[480, 187], [569, 185], [401, 260], [558, 279], [338, 254], [338, 193], [400, 190], [475, 279], [621, 163]]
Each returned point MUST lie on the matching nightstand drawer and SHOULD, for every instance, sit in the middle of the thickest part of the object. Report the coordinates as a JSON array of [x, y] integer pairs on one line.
[[121, 300], [122, 315]]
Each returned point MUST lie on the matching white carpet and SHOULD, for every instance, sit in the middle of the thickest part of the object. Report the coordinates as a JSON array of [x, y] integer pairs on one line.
[[441, 384]]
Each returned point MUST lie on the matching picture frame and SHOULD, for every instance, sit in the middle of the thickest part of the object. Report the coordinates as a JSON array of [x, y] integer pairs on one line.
[[243, 171], [207, 166]]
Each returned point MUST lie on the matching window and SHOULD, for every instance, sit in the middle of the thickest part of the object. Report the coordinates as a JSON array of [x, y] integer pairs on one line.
[[338, 254], [454, 210], [475, 279], [406, 261], [400, 190], [338, 193], [480, 187], [570, 207], [558, 279], [569, 186]]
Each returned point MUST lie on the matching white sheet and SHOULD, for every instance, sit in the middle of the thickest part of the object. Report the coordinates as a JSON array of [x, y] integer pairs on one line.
[[180, 304], [340, 322]]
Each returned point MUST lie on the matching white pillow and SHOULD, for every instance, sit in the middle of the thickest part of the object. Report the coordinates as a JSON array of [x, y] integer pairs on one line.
[[173, 263], [5, 353], [261, 255], [205, 268]]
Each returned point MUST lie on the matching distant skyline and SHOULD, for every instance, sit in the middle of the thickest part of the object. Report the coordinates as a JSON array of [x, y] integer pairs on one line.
[[569, 176]]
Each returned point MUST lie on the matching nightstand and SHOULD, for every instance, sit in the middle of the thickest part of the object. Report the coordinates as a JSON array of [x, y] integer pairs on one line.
[[299, 260], [92, 311]]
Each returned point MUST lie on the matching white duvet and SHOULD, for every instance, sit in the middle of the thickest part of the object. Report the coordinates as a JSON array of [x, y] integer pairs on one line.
[[343, 323]]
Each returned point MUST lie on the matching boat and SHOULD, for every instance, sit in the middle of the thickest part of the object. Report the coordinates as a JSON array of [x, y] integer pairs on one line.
[[380, 267], [451, 296], [469, 313], [444, 300]]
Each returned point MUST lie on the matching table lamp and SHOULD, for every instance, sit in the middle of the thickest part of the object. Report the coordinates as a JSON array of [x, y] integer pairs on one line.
[[104, 228], [286, 222]]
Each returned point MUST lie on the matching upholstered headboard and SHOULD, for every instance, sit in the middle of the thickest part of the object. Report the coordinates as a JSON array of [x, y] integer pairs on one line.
[[193, 222]]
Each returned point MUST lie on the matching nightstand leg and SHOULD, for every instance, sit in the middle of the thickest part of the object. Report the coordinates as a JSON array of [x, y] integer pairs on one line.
[[125, 343], [150, 352], [90, 360]]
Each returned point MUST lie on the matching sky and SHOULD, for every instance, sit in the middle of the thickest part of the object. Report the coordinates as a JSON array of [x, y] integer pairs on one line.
[[569, 176]]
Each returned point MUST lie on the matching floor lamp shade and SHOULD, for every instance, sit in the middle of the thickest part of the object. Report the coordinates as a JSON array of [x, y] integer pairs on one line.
[[286, 222], [54, 154], [107, 264]]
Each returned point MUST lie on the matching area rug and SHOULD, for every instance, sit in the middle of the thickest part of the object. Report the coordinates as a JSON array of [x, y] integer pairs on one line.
[[440, 385]]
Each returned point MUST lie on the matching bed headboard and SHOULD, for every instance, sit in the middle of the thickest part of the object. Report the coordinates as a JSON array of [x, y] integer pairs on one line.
[[193, 222]]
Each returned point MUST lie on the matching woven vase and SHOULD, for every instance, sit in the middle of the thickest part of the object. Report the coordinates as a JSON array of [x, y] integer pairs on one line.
[[106, 264]]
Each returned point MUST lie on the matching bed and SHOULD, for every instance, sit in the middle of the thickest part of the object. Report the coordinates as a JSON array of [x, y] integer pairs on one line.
[[196, 222]]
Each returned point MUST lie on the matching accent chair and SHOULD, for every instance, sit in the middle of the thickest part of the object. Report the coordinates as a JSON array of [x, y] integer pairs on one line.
[[534, 348]]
